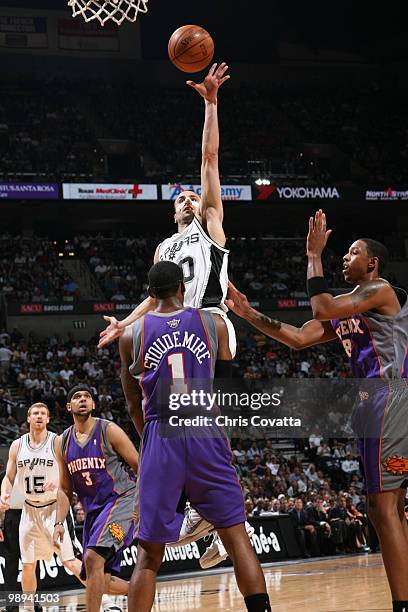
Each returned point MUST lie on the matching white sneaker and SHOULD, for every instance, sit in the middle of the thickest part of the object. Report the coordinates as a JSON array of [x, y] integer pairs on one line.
[[109, 605], [214, 554], [194, 528]]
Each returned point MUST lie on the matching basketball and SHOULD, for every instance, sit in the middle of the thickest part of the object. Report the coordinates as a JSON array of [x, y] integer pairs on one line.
[[191, 48]]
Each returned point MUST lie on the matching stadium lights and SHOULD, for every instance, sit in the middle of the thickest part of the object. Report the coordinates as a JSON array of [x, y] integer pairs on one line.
[[262, 181]]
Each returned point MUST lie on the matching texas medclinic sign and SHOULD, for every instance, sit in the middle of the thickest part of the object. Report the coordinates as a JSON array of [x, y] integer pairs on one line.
[[94, 191]]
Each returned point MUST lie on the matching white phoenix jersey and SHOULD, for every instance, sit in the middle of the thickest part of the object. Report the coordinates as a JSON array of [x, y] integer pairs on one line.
[[204, 264], [35, 467]]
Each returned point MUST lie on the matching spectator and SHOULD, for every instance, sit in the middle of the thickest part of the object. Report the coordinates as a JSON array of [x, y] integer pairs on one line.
[[306, 534]]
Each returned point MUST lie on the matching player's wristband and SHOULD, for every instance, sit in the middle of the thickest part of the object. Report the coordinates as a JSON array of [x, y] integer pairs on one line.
[[317, 285], [58, 523]]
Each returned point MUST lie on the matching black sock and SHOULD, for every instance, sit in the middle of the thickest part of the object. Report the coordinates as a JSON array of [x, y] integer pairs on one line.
[[258, 603], [400, 606]]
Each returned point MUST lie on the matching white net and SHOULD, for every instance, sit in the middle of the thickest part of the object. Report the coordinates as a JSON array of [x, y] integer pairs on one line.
[[105, 10]]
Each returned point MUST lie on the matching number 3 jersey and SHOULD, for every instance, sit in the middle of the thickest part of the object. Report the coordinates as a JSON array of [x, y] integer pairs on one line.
[[204, 266], [35, 467], [98, 474], [376, 344]]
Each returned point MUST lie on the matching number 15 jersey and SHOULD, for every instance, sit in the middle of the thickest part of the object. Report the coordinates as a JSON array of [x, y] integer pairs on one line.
[[35, 467], [204, 265]]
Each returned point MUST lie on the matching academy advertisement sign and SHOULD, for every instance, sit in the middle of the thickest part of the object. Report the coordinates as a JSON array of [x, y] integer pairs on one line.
[[241, 193]]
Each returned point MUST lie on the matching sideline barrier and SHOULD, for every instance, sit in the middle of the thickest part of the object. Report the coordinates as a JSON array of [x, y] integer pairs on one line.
[[273, 540]]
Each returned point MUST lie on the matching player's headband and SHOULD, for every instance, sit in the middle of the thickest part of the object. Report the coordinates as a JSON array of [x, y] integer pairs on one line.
[[78, 388]]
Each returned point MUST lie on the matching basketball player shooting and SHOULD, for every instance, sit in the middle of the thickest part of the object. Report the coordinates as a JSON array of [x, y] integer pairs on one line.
[[372, 323], [174, 344], [199, 245]]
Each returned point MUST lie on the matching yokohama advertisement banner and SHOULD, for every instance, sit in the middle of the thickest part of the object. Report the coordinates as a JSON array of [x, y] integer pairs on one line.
[[240, 193], [29, 191], [92, 191], [296, 192]]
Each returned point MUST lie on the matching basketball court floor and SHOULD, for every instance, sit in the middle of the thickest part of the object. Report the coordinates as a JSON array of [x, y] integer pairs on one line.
[[347, 584]]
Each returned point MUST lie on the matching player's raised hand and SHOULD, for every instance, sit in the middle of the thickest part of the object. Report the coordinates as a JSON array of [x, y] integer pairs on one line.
[[318, 234], [208, 89], [58, 535], [4, 505], [112, 332], [237, 301]]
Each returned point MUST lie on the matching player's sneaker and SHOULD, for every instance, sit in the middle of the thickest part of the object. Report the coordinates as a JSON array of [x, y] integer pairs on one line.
[[109, 605], [214, 554], [194, 528]]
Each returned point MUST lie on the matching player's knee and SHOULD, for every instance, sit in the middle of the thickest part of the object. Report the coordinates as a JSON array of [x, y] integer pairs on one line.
[[29, 568], [93, 561], [149, 556], [381, 512]]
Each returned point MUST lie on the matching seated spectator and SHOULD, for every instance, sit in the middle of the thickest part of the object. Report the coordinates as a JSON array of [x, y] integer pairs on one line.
[[318, 517], [306, 534]]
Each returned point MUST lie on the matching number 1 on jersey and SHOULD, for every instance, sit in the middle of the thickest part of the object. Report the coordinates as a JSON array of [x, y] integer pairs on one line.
[[178, 375]]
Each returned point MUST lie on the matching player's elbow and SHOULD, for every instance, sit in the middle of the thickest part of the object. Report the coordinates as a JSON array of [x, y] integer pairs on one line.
[[210, 156], [297, 344], [321, 314]]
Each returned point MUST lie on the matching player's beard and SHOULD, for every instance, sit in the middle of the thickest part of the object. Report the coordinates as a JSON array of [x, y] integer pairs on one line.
[[82, 416]]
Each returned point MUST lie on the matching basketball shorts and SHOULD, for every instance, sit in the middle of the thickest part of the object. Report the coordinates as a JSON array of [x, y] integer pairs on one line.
[[36, 531], [185, 467], [112, 526], [231, 330], [381, 424]]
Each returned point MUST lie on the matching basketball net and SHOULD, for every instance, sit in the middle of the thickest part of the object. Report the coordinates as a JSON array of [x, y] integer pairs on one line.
[[105, 10]]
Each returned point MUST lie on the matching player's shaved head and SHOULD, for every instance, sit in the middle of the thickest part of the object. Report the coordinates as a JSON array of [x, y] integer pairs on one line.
[[164, 279]]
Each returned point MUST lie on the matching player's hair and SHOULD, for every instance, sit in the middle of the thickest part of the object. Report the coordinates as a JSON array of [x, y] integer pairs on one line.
[[164, 279], [79, 387], [37, 405], [377, 249]]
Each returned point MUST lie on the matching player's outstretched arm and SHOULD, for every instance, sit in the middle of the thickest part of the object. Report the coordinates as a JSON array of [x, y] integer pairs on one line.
[[64, 495], [375, 293], [211, 208], [131, 388], [8, 480], [116, 328], [311, 333], [122, 445]]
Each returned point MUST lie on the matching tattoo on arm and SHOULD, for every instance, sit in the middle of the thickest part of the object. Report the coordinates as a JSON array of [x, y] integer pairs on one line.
[[273, 324], [366, 291]]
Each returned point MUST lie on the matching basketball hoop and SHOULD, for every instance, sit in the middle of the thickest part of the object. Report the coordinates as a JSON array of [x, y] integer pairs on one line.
[[104, 10]]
